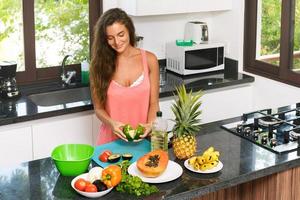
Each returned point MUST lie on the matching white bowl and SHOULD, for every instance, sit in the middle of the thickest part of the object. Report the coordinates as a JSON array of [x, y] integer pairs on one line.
[[88, 194]]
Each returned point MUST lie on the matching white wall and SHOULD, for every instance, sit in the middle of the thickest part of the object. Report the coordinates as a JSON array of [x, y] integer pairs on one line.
[[226, 26], [271, 94], [157, 30]]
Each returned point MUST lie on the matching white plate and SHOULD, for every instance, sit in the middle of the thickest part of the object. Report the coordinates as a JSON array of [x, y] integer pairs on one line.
[[88, 194], [172, 172], [213, 170]]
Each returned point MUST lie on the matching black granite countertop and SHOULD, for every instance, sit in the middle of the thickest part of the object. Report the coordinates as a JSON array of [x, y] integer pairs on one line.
[[243, 161], [24, 109]]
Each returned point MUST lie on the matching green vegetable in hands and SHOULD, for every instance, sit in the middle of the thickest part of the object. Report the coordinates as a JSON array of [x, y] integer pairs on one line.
[[139, 131], [129, 132], [127, 128], [133, 134]]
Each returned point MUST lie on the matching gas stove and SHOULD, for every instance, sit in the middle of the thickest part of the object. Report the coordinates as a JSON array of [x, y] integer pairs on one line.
[[277, 130]]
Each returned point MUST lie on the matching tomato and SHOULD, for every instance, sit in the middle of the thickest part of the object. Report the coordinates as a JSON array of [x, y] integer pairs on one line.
[[88, 183], [104, 155], [91, 188], [80, 184], [107, 152]]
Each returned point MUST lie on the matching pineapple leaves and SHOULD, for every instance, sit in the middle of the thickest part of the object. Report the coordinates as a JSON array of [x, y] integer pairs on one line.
[[186, 111]]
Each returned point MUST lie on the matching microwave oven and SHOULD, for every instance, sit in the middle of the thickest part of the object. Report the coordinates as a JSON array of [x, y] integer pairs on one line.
[[198, 58]]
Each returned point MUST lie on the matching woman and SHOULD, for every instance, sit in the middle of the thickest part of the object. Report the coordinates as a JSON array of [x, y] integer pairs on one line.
[[124, 79]]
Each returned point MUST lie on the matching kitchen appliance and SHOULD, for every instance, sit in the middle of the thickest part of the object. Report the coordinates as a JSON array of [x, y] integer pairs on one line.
[[8, 84], [162, 75], [195, 59], [139, 41], [8, 108], [277, 130], [196, 31]]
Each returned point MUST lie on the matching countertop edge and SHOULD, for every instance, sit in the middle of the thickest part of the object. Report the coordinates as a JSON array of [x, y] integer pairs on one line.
[[237, 180]]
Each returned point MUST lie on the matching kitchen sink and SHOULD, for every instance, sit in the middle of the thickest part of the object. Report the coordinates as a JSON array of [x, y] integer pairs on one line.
[[61, 96]]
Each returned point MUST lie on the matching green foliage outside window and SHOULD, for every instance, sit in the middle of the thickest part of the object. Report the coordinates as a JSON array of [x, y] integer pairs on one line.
[[9, 10], [270, 29], [67, 19]]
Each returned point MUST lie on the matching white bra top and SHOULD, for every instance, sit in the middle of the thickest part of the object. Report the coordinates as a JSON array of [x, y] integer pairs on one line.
[[138, 81]]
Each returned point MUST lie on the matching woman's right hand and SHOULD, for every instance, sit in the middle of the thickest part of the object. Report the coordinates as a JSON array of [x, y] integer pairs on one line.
[[116, 128]]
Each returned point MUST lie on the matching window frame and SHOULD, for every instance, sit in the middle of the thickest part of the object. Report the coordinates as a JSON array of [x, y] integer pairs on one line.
[[33, 74], [283, 72]]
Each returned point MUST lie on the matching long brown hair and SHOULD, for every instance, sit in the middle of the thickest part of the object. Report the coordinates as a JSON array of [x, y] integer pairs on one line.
[[103, 63]]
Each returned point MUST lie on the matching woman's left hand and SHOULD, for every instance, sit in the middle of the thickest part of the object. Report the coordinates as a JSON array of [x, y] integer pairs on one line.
[[148, 128]]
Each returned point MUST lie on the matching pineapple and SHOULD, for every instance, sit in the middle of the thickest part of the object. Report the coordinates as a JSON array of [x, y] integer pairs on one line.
[[187, 122]]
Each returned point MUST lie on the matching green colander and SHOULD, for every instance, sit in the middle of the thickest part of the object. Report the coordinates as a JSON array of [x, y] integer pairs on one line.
[[72, 159]]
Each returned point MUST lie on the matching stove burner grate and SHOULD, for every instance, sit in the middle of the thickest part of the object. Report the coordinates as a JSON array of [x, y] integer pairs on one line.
[[268, 120], [277, 130], [295, 133]]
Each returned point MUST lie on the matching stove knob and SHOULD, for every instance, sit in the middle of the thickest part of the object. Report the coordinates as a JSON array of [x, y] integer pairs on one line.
[[264, 140], [273, 142], [244, 117], [255, 124], [239, 128], [286, 137], [247, 131], [255, 135]]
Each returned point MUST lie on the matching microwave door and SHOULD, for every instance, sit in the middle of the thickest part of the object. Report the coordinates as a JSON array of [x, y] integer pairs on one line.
[[201, 59]]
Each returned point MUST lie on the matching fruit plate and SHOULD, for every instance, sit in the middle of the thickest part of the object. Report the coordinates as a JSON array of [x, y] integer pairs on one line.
[[88, 194], [172, 172], [209, 171]]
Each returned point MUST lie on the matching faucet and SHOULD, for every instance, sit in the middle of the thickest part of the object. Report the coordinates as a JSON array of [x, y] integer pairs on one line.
[[66, 77]]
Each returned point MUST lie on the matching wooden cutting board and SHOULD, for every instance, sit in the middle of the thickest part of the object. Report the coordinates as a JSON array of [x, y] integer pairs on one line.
[[119, 146]]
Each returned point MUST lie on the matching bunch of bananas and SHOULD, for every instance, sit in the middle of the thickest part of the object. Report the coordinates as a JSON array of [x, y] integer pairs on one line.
[[208, 160]]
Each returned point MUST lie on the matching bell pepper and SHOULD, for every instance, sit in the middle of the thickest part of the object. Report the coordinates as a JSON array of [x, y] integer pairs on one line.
[[111, 175], [139, 131], [127, 129]]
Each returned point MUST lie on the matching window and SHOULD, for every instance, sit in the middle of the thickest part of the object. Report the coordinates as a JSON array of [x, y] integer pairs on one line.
[[11, 32], [272, 39], [37, 34]]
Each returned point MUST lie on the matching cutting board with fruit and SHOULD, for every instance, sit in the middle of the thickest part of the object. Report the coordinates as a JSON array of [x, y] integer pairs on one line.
[[122, 148]]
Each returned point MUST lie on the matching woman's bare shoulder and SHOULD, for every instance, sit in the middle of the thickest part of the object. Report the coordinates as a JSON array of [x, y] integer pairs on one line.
[[151, 58]]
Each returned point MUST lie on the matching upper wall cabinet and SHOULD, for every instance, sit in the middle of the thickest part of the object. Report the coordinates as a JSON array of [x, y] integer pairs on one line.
[[150, 7]]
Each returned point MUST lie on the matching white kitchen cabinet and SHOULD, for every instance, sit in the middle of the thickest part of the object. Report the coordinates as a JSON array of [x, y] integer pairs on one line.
[[222, 104], [217, 104], [15, 144], [150, 7], [96, 127], [51, 132]]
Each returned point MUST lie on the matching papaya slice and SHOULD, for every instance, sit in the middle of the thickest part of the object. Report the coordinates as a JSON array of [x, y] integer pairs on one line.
[[153, 163]]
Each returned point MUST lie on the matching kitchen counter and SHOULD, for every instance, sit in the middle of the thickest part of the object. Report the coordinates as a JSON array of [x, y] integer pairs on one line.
[[243, 162], [23, 109]]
